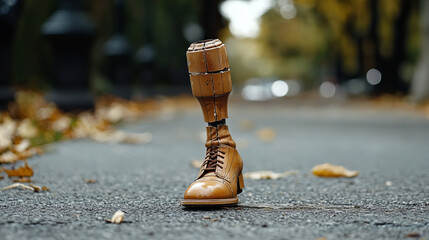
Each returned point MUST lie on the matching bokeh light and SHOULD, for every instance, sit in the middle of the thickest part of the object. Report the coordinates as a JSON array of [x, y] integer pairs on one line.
[[244, 16], [279, 88], [373, 76], [327, 89]]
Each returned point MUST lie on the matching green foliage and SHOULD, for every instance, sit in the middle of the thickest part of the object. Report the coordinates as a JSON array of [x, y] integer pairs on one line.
[[330, 38]]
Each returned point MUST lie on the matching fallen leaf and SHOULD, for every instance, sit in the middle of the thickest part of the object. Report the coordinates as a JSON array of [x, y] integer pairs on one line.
[[258, 175], [25, 171], [266, 134], [245, 124], [197, 163], [11, 157], [30, 152], [19, 185], [91, 180], [36, 188], [8, 157], [1, 177], [44, 188], [7, 129], [26, 129], [23, 145], [61, 124], [118, 217], [413, 235], [329, 170], [21, 180]]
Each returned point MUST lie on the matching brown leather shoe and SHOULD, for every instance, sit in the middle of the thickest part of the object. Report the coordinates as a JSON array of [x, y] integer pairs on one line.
[[220, 178]]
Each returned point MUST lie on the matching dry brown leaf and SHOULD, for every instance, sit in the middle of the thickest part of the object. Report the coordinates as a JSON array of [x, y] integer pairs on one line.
[[258, 175], [91, 180], [1, 177], [19, 185], [23, 171], [44, 188], [197, 163], [36, 188], [330, 170], [266, 134], [21, 180], [413, 235], [118, 217]]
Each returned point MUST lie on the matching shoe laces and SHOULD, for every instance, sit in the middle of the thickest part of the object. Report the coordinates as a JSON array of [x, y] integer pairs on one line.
[[214, 157]]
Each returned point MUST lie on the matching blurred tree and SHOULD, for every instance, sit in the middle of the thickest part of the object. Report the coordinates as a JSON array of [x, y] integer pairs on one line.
[[211, 19], [420, 87], [339, 40], [161, 24], [369, 34], [295, 46]]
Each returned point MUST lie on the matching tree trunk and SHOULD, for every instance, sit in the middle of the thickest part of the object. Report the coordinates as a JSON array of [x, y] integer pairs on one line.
[[420, 84], [211, 19]]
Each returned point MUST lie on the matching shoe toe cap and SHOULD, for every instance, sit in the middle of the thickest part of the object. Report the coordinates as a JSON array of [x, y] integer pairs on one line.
[[208, 189]]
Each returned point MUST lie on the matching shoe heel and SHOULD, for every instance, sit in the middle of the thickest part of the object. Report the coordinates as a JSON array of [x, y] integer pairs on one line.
[[240, 183]]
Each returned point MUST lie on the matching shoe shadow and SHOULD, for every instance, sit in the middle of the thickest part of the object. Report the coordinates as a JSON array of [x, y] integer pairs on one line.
[[209, 208]]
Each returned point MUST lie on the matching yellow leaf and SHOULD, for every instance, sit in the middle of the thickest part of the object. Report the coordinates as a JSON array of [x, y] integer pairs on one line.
[[329, 170], [266, 134]]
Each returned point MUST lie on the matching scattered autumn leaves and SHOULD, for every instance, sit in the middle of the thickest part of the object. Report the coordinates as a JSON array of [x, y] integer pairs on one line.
[[31, 122], [326, 170], [268, 134]]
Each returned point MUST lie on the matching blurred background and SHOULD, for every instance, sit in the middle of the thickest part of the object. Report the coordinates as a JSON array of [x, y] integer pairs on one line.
[[74, 50]]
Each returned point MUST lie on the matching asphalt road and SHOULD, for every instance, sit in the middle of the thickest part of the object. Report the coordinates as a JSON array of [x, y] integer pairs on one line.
[[147, 182]]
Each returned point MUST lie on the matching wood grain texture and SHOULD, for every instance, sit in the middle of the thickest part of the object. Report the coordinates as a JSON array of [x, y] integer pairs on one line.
[[210, 77]]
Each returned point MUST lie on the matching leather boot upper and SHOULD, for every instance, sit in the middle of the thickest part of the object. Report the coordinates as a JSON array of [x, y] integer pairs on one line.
[[219, 172]]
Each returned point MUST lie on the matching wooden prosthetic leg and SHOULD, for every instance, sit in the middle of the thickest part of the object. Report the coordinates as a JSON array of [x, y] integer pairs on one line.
[[220, 178], [210, 78]]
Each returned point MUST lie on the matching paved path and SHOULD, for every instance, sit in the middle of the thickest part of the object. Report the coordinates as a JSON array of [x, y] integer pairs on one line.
[[147, 182]]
